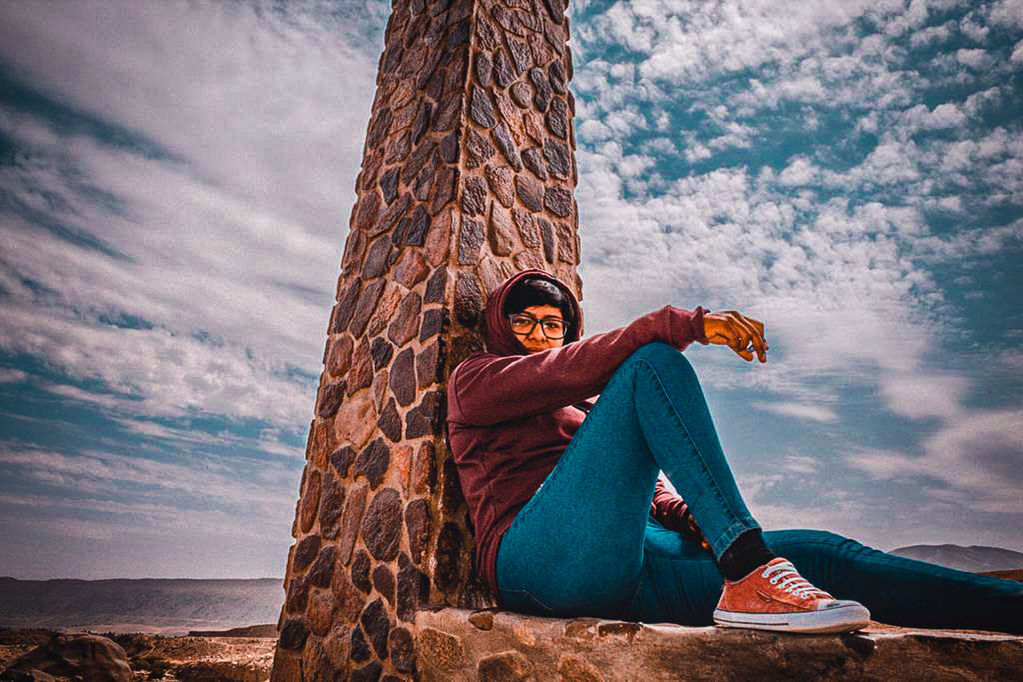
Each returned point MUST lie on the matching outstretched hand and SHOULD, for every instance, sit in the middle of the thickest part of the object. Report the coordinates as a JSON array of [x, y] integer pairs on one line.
[[742, 334]]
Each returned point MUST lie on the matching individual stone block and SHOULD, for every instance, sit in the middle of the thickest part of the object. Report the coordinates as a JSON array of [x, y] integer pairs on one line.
[[468, 300], [351, 519], [521, 57], [402, 650], [542, 90], [360, 571], [436, 286], [558, 201], [444, 188], [424, 469], [402, 378], [501, 233], [411, 269], [448, 553], [448, 112], [530, 191], [297, 596], [367, 304], [418, 226], [500, 181], [413, 588], [406, 322], [527, 227], [503, 73], [434, 321], [320, 613], [484, 69], [532, 158], [427, 417], [345, 308], [383, 581], [521, 94], [361, 373], [506, 666], [339, 355], [293, 635], [347, 598], [443, 650], [547, 236], [438, 239], [360, 650], [389, 185], [322, 570], [341, 459], [390, 422], [305, 552], [507, 146], [474, 196], [470, 240], [557, 118], [481, 109], [376, 259], [556, 155], [430, 364], [381, 525], [417, 525], [556, 73], [372, 462], [331, 500], [376, 625], [309, 502], [566, 243]]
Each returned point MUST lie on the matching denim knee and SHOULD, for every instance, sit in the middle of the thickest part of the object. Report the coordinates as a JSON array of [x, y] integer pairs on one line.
[[661, 354]]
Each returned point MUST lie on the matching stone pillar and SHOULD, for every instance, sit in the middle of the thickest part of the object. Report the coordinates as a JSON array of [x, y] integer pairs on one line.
[[467, 177]]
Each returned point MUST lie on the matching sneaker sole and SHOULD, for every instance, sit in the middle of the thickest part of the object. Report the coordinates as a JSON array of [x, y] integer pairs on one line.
[[845, 618]]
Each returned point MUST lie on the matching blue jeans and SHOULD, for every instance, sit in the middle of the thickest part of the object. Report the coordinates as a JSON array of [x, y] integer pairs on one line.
[[585, 544]]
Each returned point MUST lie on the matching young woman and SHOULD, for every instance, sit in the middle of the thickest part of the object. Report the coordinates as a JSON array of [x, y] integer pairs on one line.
[[572, 519]]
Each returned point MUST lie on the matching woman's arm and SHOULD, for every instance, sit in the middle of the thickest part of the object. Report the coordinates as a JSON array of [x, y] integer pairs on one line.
[[488, 389]]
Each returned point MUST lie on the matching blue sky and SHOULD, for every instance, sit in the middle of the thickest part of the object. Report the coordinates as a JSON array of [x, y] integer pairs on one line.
[[175, 184]]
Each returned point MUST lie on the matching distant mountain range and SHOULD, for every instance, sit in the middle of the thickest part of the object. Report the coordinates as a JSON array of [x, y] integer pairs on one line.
[[167, 606], [975, 558]]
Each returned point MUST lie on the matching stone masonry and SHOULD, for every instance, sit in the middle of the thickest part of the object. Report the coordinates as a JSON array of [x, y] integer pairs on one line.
[[468, 175]]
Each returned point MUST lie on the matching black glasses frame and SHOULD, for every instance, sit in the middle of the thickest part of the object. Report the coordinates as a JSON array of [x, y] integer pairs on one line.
[[536, 322]]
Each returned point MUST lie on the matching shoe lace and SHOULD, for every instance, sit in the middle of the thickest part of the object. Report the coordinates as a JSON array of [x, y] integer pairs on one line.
[[785, 573]]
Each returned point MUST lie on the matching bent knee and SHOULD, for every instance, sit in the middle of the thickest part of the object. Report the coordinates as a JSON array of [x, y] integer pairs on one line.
[[658, 353]]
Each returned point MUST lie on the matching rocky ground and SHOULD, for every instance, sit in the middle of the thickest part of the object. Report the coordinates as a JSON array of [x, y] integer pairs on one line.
[[241, 655]]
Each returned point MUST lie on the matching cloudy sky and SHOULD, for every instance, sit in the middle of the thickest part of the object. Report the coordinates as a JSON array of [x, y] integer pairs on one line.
[[175, 184]]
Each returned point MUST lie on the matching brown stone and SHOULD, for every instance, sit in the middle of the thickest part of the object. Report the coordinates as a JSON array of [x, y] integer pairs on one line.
[[381, 380], [530, 191], [367, 304], [360, 571], [351, 519], [360, 650], [355, 244], [436, 286], [322, 570], [331, 500], [320, 613], [341, 459], [448, 112], [348, 599], [382, 314], [434, 322], [372, 462], [389, 185], [430, 364], [493, 272], [556, 9], [390, 422], [521, 93], [470, 241], [484, 620], [383, 581], [557, 118], [558, 201], [298, 595], [293, 635], [413, 588], [547, 235], [506, 666], [439, 238], [532, 158], [420, 155], [575, 669], [376, 625], [443, 190], [442, 650], [527, 228], [422, 122], [477, 149], [305, 552], [449, 147], [406, 324], [525, 260], [330, 397], [424, 469], [503, 73], [557, 157], [468, 300], [309, 502], [361, 373], [504, 19], [417, 524], [403, 379], [533, 125], [542, 90], [380, 350], [345, 308], [411, 269], [393, 214], [381, 525], [426, 418], [398, 147], [339, 356], [501, 233], [506, 144], [566, 243], [402, 650], [509, 112], [499, 178], [474, 196], [367, 211], [556, 72], [287, 666], [321, 443], [481, 109], [447, 556], [484, 69]]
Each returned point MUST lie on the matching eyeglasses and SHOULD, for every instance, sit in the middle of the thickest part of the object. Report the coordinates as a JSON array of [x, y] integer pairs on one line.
[[523, 324]]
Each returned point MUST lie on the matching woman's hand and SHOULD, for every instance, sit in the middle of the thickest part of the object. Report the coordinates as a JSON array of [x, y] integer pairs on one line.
[[733, 329]]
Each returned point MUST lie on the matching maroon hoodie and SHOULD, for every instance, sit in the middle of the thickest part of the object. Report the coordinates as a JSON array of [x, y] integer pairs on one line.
[[511, 413]]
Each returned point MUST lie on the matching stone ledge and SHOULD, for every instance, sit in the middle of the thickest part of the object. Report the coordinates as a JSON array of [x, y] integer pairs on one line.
[[459, 644]]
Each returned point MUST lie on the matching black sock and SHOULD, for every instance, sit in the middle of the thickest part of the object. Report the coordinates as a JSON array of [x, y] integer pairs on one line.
[[747, 552]]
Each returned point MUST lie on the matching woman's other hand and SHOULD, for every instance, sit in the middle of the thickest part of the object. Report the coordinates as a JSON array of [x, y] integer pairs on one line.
[[733, 329]]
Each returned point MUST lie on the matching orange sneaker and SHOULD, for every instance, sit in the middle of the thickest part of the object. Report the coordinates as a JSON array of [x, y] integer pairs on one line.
[[776, 597]]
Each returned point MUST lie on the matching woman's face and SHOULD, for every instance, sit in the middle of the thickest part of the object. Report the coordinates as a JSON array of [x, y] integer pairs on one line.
[[536, 340]]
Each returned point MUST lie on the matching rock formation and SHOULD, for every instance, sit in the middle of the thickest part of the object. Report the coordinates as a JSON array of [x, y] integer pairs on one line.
[[467, 176]]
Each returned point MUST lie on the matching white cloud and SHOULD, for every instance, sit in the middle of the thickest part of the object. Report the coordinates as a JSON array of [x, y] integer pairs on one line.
[[818, 413], [974, 58]]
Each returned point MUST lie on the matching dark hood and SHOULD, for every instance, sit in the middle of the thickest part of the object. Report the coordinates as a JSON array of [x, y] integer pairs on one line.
[[497, 334]]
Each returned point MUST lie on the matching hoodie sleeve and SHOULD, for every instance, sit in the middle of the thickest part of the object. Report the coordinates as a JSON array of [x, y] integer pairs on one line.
[[669, 509], [488, 389]]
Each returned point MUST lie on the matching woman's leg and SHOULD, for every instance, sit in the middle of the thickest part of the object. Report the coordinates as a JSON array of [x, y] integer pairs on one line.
[[679, 583], [576, 548]]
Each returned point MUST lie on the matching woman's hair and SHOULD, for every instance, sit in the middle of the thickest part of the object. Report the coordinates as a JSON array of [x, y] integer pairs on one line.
[[535, 291]]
